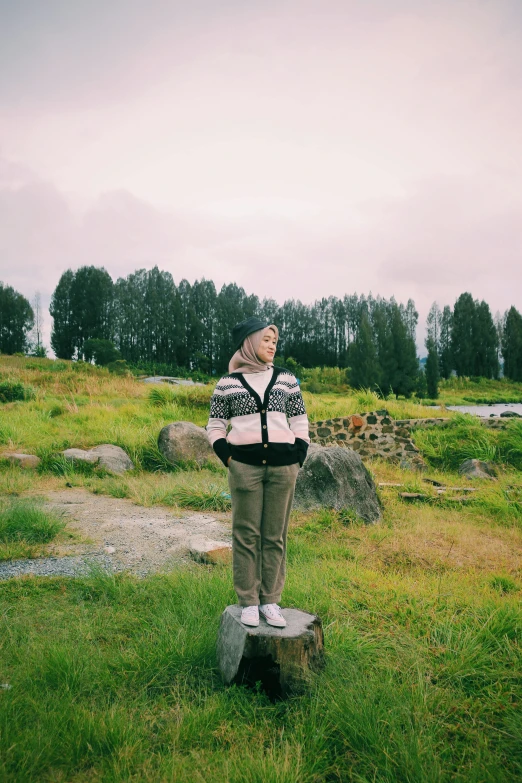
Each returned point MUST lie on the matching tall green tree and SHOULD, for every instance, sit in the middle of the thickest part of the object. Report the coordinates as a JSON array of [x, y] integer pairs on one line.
[[463, 344], [405, 378], [512, 345], [485, 342], [364, 365], [92, 298], [432, 369], [204, 299], [16, 320], [233, 305], [81, 307], [63, 332]]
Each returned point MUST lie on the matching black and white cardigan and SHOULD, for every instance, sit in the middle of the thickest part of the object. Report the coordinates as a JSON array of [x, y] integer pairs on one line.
[[268, 431]]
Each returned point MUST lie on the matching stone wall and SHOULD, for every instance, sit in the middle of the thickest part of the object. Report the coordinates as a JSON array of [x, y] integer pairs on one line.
[[376, 434]]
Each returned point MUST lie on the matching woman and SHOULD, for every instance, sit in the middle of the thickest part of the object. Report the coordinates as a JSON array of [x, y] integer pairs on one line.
[[266, 445]]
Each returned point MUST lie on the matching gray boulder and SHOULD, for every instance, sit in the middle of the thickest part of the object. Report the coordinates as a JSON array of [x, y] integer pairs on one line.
[[335, 477], [474, 468], [79, 455], [113, 458], [183, 441]]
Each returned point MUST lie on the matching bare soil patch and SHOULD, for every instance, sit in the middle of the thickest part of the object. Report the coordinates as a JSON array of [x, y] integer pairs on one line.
[[136, 538]]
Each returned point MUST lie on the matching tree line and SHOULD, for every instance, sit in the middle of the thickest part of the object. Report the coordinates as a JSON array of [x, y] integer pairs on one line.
[[153, 323]]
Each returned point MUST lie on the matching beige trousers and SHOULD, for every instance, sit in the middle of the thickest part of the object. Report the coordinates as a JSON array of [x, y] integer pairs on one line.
[[262, 498]]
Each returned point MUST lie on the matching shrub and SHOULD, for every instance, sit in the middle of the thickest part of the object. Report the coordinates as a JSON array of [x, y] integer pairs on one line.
[[12, 391], [118, 367]]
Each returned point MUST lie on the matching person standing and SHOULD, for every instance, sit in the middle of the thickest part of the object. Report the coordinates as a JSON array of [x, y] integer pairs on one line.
[[263, 450]]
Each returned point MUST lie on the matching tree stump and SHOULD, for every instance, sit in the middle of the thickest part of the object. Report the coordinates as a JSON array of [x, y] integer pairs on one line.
[[280, 658]]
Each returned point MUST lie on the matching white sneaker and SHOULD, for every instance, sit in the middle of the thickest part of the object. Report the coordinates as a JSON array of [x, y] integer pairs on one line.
[[250, 615], [272, 614]]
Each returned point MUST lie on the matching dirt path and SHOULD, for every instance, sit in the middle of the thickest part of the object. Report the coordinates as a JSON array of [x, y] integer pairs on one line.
[[119, 535]]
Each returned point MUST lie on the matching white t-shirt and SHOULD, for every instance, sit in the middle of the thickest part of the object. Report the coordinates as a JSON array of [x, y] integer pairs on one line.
[[259, 380]]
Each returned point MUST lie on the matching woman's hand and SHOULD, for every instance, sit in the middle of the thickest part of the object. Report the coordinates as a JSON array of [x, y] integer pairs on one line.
[[229, 460]]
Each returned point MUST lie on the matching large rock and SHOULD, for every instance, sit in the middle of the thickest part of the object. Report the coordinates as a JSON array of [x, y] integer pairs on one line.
[[183, 441], [280, 658], [113, 458], [335, 477], [474, 468], [510, 415]]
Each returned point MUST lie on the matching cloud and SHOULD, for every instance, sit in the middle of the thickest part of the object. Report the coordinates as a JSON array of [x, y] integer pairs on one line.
[[296, 148]]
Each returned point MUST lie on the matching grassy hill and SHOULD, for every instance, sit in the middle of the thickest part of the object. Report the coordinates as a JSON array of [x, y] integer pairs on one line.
[[113, 678]]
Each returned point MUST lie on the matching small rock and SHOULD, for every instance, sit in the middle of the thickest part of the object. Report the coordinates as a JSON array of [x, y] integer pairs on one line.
[[183, 441], [23, 460], [510, 415], [202, 550], [415, 463], [474, 468], [113, 458], [5, 686], [110, 550]]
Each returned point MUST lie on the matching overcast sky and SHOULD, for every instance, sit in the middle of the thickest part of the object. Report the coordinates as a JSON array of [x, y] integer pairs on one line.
[[297, 148]]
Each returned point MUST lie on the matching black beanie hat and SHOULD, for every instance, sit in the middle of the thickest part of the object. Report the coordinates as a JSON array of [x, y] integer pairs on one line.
[[246, 327]]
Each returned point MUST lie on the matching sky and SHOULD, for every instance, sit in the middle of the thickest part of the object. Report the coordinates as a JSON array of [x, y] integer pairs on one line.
[[300, 148]]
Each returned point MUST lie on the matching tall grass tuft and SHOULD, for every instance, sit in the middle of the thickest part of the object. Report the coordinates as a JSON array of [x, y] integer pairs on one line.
[[510, 444], [162, 395], [463, 438], [209, 498], [23, 520]]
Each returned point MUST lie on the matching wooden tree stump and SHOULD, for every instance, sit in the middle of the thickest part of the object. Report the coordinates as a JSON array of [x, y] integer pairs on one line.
[[280, 658]]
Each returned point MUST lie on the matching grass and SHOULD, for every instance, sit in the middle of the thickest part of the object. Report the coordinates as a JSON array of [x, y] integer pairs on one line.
[[479, 391], [464, 437], [24, 524], [114, 678]]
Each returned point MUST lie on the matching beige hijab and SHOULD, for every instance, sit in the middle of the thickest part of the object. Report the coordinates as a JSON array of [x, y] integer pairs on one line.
[[245, 358]]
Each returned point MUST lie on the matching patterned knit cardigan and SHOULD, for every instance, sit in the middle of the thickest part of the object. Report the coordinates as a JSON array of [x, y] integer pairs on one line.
[[268, 431]]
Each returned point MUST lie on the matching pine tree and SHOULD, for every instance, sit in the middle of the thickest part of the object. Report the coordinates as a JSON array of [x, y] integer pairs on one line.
[[485, 343], [63, 340], [405, 353], [432, 369], [387, 359], [16, 320], [364, 366], [445, 355], [463, 344], [92, 299], [512, 345]]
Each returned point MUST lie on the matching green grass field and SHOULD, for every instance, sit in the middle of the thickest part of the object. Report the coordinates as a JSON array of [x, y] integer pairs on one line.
[[114, 678]]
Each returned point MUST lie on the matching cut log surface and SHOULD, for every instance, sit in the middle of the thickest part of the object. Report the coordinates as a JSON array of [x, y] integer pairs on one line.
[[280, 658]]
